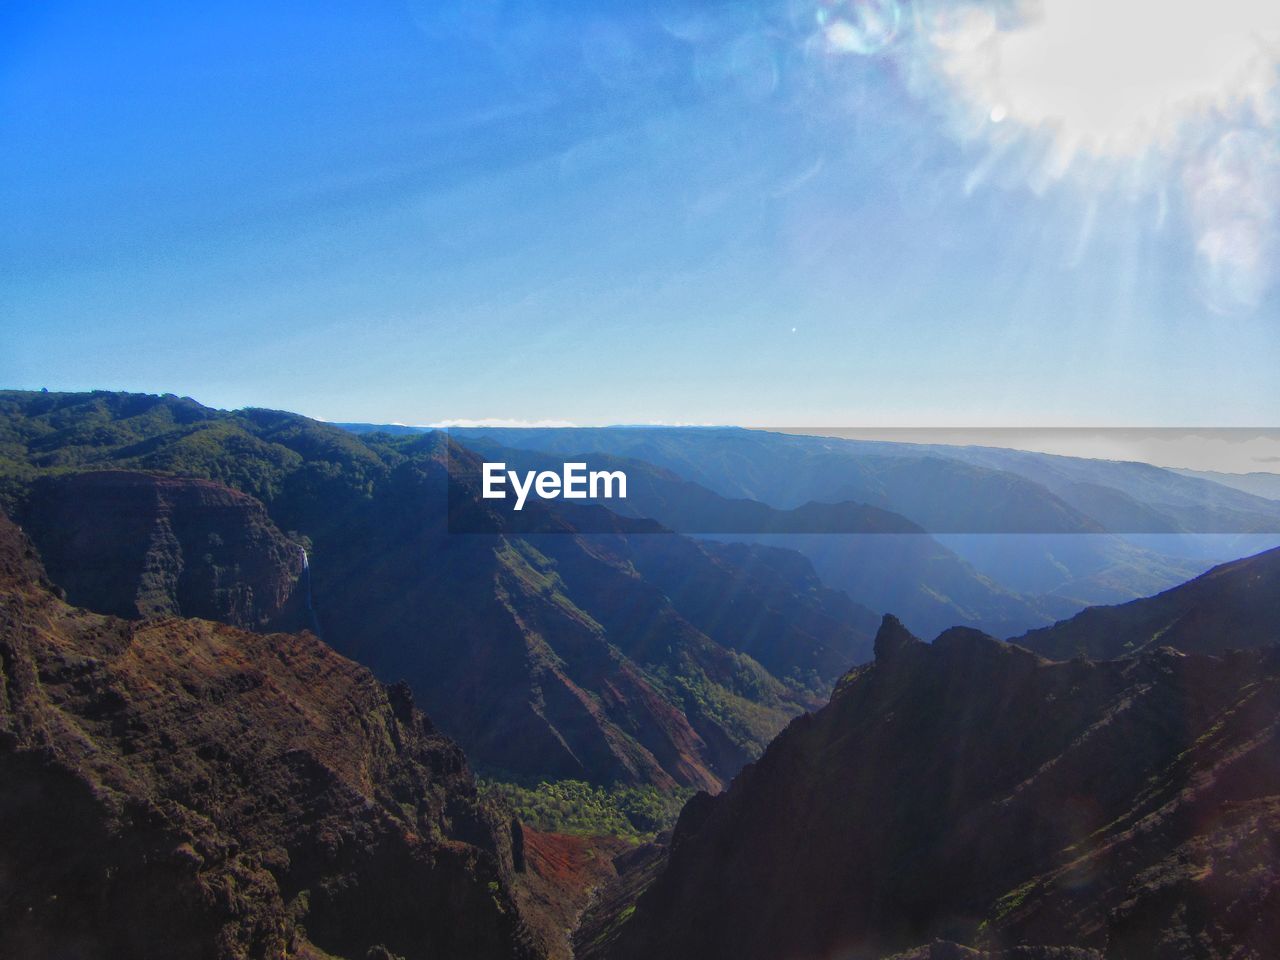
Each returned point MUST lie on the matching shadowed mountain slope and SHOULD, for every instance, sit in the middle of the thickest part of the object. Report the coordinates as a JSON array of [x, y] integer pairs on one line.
[[969, 790], [133, 544]]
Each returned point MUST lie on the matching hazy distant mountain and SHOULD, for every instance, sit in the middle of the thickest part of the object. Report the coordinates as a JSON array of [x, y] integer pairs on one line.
[[880, 559], [1070, 571], [970, 791], [394, 429], [945, 489], [1235, 606], [1259, 483], [1131, 497], [1022, 520], [936, 492]]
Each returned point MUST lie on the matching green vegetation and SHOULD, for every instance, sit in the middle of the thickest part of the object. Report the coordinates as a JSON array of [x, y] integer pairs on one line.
[[751, 712], [572, 806], [280, 458], [1014, 898]]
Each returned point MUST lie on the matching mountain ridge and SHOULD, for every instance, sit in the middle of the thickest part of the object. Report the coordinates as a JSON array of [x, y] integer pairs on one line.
[[1234, 606], [936, 798]]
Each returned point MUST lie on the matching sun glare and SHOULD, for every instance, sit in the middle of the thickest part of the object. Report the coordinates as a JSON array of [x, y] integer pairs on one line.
[[1173, 98], [1111, 77], [1164, 111]]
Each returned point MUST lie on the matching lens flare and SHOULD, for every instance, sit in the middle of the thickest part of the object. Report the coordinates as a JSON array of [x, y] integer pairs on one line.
[[859, 26], [1234, 191]]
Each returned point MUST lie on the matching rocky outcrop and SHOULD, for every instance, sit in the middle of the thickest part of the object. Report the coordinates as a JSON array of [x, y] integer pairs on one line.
[[560, 876], [183, 789], [139, 545], [970, 791]]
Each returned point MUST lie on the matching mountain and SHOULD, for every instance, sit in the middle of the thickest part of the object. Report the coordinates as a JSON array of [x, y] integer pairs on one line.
[[623, 655], [1072, 571], [929, 583], [1235, 606], [134, 544], [1258, 483], [1134, 497], [882, 560], [969, 791], [630, 656], [943, 488], [182, 789], [1073, 530], [940, 494]]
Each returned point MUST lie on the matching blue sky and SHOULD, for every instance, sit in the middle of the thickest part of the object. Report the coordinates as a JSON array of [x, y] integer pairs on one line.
[[613, 212]]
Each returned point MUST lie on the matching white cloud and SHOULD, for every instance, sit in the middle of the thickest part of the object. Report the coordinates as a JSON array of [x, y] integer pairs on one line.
[[497, 422]]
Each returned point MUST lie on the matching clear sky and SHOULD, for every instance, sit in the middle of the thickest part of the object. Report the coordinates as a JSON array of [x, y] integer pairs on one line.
[[800, 212]]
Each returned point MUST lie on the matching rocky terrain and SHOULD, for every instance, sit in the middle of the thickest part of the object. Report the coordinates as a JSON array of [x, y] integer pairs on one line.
[[562, 874], [140, 545], [969, 791], [182, 789], [179, 781]]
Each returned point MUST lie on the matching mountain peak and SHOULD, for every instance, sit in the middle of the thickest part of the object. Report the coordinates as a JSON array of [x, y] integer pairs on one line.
[[892, 638]]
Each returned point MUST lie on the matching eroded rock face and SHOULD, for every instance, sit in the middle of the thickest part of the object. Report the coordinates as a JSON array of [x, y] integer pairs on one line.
[[183, 789], [138, 545], [971, 791]]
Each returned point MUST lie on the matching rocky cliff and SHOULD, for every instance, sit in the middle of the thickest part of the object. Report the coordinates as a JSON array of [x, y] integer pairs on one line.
[[182, 789], [139, 545], [970, 791]]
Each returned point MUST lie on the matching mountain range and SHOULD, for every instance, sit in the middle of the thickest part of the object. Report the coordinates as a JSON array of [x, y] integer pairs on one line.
[[1034, 535], [1259, 483], [626, 656], [219, 632], [881, 559]]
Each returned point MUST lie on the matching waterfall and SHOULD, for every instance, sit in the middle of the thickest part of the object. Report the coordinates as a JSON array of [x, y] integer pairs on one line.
[[305, 582]]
